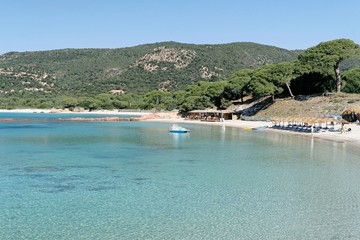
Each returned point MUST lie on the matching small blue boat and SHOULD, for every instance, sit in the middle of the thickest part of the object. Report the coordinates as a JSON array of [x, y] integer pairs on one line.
[[178, 129]]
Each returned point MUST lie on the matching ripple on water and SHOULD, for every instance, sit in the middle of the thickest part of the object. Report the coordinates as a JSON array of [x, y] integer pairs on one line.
[[42, 169]]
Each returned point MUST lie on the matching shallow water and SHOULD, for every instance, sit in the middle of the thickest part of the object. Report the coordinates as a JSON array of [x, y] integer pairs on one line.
[[134, 180]]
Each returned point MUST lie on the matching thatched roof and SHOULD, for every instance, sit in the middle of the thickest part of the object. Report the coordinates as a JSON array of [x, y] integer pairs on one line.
[[351, 114], [307, 120], [353, 109]]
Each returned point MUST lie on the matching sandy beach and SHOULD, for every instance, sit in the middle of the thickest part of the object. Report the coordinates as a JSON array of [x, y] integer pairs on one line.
[[352, 137]]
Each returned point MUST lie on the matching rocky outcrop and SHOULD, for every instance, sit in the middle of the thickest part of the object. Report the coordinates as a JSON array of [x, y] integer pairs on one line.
[[180, 58], [206, 73], [33, 81]]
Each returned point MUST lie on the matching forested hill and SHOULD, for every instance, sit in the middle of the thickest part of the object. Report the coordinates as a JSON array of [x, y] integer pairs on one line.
[[139, 69]]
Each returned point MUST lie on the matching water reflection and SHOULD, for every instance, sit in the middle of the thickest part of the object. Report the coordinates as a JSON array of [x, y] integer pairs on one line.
[[223, 131], [179, 138], [311, 148]]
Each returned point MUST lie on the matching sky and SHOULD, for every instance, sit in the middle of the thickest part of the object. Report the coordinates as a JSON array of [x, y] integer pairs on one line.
[[36, 25]]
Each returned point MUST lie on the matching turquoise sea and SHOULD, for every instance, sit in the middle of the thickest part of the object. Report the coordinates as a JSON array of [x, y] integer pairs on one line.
[[134, 180]]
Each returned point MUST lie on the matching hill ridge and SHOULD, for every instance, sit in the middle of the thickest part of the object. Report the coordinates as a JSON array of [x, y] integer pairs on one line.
[[163, 65]]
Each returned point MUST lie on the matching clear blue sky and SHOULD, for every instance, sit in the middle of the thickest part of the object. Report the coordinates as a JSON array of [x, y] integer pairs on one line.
[[32, 25]]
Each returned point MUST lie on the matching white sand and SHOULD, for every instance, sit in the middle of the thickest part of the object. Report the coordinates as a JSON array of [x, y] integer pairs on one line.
[[105, 112], [27, 110]]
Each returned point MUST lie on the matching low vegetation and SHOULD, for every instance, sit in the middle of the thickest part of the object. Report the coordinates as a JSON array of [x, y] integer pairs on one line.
[[311, 106]]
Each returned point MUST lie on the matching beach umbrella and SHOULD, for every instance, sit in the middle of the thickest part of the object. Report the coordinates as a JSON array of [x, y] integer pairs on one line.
[[351, 109], [321, 121], [351, 114]]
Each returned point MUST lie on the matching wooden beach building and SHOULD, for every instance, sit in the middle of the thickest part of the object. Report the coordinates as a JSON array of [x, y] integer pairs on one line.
[[209, 115]]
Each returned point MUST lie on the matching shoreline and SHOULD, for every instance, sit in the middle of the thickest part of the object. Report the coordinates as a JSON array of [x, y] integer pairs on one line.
[[352, 137], [60, 111]]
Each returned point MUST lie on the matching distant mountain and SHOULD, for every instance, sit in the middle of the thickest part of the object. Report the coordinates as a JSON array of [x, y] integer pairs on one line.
[[166, 65]]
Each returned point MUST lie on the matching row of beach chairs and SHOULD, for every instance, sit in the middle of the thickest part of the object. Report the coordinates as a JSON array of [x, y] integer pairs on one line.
[[303, 128]]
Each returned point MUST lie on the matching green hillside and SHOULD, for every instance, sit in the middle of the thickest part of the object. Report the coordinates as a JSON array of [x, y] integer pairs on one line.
[[140, 69]]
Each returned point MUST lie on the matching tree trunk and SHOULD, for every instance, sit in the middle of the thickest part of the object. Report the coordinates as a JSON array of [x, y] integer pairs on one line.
[[338, 77], [291, 94]]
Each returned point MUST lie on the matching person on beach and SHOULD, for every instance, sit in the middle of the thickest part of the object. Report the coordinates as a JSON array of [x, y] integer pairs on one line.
[[342, 127]]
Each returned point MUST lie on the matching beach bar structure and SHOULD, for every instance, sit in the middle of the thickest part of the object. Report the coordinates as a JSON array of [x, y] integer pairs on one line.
[[209, 115]]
